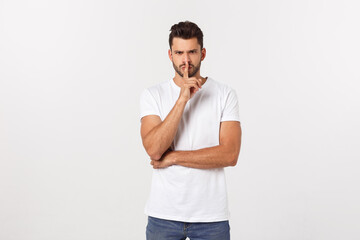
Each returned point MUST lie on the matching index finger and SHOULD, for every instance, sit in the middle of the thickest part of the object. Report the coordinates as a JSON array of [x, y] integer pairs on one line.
[[186, 70]]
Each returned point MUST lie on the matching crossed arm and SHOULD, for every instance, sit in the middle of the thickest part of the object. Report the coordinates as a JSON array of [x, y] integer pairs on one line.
[[158, 135], [223, 155]]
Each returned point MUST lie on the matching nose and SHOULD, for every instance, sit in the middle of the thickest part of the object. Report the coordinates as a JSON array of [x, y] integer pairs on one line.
[[186, 58]]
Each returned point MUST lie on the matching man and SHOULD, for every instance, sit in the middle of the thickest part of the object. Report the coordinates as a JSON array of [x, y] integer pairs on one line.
[[190, 128]]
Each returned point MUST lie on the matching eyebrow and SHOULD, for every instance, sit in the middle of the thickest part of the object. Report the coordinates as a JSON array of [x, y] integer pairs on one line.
[[192, 50]]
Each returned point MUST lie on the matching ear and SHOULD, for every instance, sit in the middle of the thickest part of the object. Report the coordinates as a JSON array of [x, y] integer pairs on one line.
[[203, 53], [170, 55]]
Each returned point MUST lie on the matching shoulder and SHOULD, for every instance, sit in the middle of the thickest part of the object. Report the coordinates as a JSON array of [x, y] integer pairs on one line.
[[157, 89], [221, 87]]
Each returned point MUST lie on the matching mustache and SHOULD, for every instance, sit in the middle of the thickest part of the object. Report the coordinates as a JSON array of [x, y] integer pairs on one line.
[[191, 65]]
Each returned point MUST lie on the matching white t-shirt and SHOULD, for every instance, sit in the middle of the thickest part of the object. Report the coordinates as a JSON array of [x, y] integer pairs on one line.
[[188, 194]]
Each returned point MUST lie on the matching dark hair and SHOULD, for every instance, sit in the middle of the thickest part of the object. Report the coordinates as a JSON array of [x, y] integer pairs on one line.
[[186, 30]]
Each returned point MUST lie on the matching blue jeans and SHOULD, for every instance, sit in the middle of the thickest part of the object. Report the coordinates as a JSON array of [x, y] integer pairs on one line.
[[160, 229]]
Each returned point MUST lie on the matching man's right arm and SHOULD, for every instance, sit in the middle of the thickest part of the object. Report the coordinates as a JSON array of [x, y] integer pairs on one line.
[[158, 135]]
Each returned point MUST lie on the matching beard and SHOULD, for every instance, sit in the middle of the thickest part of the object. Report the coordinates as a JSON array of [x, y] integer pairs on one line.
[[194, 69]]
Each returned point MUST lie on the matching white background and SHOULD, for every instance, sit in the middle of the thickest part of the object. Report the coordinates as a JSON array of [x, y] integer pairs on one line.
[[72, 165]]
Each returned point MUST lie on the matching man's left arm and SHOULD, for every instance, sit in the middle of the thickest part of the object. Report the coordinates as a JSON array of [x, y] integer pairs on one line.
[[224, 155]]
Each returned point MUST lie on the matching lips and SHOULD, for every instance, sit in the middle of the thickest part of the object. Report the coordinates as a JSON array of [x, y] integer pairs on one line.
[[183, 68]]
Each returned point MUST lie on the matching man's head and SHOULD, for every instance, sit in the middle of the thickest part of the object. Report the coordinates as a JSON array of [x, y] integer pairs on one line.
[[186, 45], [186, 30]]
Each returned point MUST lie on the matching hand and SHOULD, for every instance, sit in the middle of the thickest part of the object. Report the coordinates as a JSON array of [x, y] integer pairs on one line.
[[164, 162], [190, 86]]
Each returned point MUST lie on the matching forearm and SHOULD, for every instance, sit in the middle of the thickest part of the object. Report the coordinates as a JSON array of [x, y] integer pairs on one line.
[[206, 158], [159, 139]]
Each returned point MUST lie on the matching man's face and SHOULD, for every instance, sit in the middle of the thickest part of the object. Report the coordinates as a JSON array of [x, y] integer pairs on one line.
[[186, 50]]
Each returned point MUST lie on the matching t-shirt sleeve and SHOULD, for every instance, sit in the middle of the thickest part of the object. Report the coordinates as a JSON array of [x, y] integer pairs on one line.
[[231, 108], [148, 105]]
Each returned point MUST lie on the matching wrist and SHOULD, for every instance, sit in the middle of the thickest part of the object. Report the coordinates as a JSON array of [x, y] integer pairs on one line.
[[181, 101], [173, 158]]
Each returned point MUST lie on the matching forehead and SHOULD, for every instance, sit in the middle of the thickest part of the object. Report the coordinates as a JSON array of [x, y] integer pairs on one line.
[[185, 44]]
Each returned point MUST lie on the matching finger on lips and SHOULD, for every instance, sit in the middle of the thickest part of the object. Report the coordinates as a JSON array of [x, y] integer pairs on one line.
[[186, 70]]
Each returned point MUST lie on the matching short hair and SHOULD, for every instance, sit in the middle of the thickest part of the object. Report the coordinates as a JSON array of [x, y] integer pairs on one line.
[[186, 30]]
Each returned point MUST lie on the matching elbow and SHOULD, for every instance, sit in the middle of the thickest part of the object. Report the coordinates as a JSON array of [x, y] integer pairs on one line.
[[153, 154], [155, 157], [233, 160], [152, 151]]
